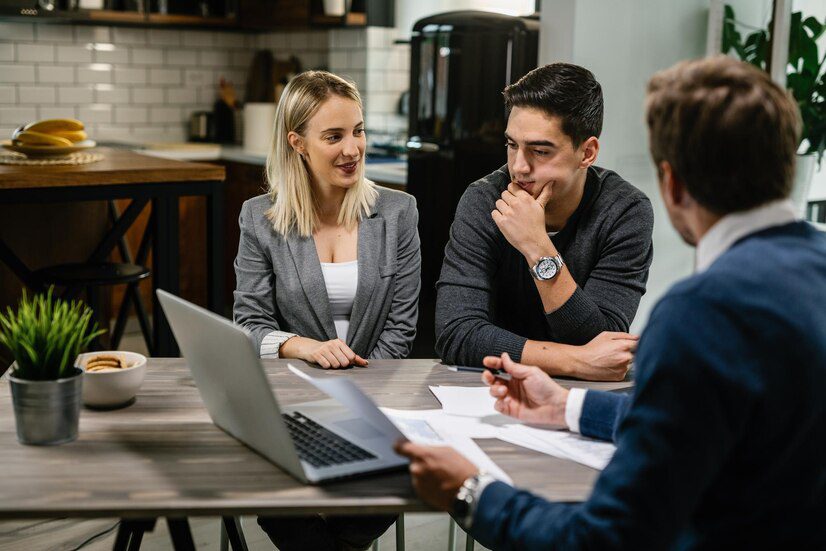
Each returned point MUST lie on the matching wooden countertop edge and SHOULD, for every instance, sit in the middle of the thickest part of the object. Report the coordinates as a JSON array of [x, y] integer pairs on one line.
[[208, 173], [117, 168]]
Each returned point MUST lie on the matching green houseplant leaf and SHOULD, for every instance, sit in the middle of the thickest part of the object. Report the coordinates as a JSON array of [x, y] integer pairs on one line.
[[804, 71], [45, 335]]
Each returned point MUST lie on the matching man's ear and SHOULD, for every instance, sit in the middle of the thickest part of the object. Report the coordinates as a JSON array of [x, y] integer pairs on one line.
[[590, 150], [672, 187], [296, 142]]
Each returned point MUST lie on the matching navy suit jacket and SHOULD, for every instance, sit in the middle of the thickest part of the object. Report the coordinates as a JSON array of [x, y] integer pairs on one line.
[[723, 442]]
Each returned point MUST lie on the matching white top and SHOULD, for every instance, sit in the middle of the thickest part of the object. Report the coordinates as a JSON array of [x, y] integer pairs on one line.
[[717, 240], [341, 280]]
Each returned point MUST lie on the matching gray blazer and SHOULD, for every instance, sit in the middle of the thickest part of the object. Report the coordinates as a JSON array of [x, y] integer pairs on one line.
[[280, 287]]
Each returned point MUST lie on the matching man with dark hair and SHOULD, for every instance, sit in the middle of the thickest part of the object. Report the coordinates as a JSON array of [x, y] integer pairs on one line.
[[722, 444], [549, 251]]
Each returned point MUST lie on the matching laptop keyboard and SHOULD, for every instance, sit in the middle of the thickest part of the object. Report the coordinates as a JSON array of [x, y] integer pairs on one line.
[[320, 447]]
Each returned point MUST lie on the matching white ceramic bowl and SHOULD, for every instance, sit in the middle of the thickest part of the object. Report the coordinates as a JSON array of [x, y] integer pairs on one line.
[[108, 389]]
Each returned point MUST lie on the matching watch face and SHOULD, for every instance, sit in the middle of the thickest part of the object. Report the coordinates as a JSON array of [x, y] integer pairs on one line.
[[546, 268]]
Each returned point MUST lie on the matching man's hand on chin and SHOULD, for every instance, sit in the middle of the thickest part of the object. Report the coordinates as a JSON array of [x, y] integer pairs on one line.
[[521, 219], [437, 472]]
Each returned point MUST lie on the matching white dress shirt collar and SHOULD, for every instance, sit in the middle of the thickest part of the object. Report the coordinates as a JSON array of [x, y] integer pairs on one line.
[[733, 227], [717, 240]]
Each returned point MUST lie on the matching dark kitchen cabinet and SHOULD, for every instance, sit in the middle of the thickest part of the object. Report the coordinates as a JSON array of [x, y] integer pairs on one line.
[[273, 14]]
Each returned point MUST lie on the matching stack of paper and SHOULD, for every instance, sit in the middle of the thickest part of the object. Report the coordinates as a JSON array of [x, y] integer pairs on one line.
[[563, 444]]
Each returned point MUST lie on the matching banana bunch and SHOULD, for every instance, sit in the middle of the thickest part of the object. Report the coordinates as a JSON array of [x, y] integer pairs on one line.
[[50, 133]]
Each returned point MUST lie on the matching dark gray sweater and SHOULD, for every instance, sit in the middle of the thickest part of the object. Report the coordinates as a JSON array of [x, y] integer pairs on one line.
[[487, 301]]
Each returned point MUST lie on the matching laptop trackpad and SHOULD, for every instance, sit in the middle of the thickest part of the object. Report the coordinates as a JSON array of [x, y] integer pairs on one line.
[[359, 428]]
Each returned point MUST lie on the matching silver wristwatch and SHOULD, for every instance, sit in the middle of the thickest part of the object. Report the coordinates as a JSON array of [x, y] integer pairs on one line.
[[465, 502], [547, 267]]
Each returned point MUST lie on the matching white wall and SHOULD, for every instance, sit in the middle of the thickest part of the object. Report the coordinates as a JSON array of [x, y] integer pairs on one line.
[[624, 43]]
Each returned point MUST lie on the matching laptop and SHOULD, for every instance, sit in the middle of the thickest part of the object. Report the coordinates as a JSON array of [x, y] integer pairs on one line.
[[315, 441]]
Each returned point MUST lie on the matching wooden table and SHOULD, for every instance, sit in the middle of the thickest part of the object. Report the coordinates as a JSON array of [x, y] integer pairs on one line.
[[124, 174], [163, 457]]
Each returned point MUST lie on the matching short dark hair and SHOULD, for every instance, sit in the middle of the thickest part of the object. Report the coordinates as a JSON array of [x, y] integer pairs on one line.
[[727, 130], [562, 90]]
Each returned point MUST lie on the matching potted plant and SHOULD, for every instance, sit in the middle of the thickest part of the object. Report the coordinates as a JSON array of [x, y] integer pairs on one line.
[[804, 78], [45, 336]]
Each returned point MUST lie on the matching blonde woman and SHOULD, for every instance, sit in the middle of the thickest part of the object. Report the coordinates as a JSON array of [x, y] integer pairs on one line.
[[328, 264]]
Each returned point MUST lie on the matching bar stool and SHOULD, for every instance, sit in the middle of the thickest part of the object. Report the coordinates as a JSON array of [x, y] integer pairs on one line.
[[76, 277], [95, 272]]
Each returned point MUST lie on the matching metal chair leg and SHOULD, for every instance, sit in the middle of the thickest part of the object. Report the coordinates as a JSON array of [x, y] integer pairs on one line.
[[452, 528], [400, 533]]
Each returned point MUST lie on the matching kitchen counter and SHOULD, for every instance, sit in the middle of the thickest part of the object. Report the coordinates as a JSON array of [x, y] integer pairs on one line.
[[391, 171]]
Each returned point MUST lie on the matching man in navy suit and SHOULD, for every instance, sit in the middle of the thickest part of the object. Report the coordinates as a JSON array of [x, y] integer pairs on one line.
[[723, 442]]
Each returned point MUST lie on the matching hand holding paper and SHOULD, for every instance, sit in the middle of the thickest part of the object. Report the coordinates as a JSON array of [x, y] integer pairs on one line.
[[437, 472]]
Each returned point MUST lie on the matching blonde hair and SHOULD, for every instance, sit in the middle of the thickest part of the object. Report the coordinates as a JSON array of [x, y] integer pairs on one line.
[[294, 205]]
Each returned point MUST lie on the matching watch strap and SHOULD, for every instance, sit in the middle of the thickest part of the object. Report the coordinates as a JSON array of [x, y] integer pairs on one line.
[[469, 494]]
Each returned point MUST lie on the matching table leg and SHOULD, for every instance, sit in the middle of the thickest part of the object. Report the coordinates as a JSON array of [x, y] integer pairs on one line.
[[165, 259], [180, 533], [215, 249], [123, 537], [235, 534], [130, 534]]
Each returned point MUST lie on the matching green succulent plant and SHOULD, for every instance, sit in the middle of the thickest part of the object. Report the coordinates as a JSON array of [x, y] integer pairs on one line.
[[804, 71], [45, 335]]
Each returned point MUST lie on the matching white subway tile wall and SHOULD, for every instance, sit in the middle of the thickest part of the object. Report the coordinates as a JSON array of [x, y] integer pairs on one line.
[[142, 84], [8, 94], [379, 67], [7, 52]]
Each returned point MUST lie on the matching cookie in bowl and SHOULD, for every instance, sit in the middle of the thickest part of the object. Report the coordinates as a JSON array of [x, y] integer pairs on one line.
[[111, 378]]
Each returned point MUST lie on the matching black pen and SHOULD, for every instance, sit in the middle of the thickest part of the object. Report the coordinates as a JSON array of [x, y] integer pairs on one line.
[[498, 373]]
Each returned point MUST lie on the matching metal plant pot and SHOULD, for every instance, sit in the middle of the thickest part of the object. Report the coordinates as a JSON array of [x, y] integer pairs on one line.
[[47, 412]]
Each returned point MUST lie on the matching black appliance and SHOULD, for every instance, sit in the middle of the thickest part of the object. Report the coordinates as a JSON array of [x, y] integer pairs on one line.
[[460, 63]]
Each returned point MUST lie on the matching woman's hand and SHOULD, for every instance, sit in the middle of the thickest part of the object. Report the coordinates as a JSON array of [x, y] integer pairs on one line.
[[606, 358], [334, 354]]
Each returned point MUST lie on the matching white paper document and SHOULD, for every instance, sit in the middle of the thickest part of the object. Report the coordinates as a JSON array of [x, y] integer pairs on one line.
[[563, 444], [468, 401], [413, 425], [348, 394], [413, 422], [470, 411]]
